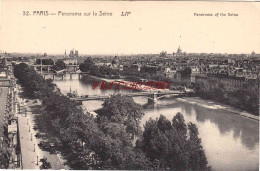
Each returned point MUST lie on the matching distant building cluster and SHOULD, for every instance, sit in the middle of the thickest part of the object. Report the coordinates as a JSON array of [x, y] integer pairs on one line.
[[73, 53], [72, 58], [245, 67]]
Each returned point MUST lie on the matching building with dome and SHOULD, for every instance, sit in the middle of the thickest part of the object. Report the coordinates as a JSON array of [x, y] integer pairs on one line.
[[179, 52]]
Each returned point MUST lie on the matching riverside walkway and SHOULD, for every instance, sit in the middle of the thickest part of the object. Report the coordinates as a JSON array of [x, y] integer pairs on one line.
[[30, 151], [216, 106]]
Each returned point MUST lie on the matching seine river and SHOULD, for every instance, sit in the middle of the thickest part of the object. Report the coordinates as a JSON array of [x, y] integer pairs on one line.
[[231, 142]]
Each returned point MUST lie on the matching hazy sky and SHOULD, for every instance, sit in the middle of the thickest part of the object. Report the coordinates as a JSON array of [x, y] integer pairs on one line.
[[150, 28]]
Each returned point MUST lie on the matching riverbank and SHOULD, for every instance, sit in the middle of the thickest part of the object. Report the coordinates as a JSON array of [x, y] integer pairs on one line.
[[105, 79], [200, 102], [131, 84], [216, 106]]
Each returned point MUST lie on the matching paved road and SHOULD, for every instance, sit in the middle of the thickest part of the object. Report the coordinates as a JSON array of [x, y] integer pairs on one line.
[[29, 144], [29, 155]]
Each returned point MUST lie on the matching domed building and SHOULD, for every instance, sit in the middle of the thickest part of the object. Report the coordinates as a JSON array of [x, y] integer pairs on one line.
[[179, 52]]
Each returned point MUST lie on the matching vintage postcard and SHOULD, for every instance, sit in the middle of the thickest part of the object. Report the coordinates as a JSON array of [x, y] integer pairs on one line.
[[129, 85]]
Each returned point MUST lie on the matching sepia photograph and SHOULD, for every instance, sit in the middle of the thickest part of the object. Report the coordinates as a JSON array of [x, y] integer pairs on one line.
[[129, 85]]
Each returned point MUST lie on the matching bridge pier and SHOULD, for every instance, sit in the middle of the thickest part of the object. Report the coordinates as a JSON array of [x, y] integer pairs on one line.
[[48, 69], [152, 98], [53, 77], [79, 76], [41, 69], [70, 76], [62, 76]]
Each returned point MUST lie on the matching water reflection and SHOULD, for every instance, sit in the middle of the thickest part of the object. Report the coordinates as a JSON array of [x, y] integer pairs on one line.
[[245, 128], [231, 142]]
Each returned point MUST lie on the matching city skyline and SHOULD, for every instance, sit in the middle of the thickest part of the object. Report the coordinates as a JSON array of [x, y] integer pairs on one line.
[[123, 54]]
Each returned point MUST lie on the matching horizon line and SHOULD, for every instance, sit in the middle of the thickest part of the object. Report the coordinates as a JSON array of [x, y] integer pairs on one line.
[[116, 54]]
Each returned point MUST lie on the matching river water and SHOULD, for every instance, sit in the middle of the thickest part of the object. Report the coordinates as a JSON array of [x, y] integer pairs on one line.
[[231, 142]]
